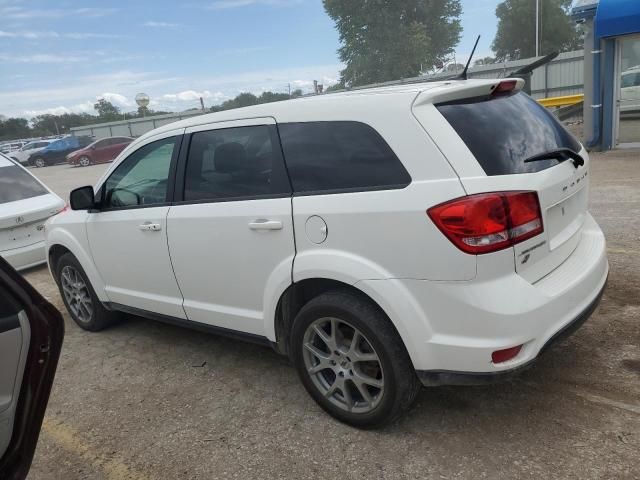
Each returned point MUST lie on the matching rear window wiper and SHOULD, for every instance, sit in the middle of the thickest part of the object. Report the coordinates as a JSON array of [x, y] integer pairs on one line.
[[561, 154]]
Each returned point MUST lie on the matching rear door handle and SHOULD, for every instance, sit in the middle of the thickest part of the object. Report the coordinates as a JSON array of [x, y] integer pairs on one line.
[[150, 227], [263, 224]]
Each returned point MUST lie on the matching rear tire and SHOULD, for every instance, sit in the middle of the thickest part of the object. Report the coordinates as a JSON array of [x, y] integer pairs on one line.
[[367, 382], [78, 296], [39, 162]]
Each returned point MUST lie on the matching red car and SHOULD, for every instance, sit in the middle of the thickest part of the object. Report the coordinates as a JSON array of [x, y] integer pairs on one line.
[[100, 151]]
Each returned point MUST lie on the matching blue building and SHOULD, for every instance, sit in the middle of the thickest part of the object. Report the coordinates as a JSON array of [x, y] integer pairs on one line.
[[612, 72]]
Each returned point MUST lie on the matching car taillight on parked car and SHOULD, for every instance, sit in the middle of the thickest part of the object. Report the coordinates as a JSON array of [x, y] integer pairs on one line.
[[488, 222]]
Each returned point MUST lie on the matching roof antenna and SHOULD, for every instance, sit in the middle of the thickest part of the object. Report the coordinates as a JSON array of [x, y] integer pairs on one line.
[[463, 74]]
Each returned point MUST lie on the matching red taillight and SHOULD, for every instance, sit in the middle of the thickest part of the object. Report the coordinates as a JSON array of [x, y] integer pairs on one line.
[[488, 222], [500, 356], [505, 87]]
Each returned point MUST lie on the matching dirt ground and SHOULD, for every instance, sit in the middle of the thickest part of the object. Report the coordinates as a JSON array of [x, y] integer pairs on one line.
[[145, 400]]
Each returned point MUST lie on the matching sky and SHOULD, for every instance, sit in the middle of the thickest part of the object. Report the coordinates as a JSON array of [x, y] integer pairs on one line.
[[58, 57]]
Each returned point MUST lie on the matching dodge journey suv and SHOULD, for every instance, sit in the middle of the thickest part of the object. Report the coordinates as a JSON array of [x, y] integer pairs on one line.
[[433, 233]]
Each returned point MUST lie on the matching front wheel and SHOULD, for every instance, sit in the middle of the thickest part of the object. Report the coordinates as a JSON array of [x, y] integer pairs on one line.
[[81, 301], [352, 361], [84, 161], [39, 162]]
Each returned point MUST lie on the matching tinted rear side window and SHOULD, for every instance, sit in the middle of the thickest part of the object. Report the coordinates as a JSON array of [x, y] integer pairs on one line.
[[17, 184], [235, 163], [503, 132], [339, 156]]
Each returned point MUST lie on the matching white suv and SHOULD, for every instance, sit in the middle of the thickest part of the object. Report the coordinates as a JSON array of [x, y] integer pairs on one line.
[[433, 233]]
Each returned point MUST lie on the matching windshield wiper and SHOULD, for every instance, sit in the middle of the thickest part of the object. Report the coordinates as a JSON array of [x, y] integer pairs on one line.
[[561, 154]]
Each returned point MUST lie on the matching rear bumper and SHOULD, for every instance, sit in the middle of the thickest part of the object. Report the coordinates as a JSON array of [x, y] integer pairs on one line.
[[453, 327], [432, 378], [25, 257]]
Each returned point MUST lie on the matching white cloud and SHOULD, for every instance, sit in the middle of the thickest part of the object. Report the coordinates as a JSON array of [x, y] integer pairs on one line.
[[153, 24], [242, 50], [227, 4], [117, 99], [29, 35], [192, 96], [42, 58], [84, 107], [16, 12], [167, 93]]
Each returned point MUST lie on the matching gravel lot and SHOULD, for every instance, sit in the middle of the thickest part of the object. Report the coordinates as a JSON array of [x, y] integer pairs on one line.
[[145, 400]]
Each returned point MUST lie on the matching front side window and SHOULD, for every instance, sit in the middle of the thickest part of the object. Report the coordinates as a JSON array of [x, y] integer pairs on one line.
[[238, 162], [142, 178], [339, 156]]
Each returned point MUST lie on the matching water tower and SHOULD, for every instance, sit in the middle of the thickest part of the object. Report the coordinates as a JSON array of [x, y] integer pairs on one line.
[[142, 99]]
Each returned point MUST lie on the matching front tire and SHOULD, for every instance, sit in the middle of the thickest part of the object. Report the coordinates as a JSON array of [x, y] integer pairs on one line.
[[352, 361], [78, 295], [39, 162], [84, 161]]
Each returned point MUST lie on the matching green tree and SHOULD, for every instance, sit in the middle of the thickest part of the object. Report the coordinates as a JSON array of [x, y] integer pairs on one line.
[[246, 99], [392, 39], [13, 128], [143, 111], [485, 61], [268, 97], [107, 111], [49, 124], [516, 35]]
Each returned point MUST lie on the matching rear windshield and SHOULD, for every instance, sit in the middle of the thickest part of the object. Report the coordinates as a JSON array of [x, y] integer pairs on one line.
[[17, 184], [503, 132]]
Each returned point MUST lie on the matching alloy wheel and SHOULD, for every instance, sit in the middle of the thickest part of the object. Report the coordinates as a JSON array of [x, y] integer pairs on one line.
[[39, 162], [85, 161], [77, 294], [343, 365]]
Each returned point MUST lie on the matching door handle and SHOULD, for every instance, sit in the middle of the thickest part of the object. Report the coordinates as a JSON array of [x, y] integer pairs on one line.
[[263, 224], [150, 227]]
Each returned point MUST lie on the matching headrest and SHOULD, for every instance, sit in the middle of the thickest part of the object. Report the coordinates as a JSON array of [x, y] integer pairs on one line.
[[230, 157]]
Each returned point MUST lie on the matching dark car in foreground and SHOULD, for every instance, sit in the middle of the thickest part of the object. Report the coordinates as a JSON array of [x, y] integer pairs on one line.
[[31, 334], [58, 150], [100, 151]]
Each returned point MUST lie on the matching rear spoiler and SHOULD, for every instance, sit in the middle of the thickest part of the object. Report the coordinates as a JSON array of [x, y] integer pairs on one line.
[[459, 90]]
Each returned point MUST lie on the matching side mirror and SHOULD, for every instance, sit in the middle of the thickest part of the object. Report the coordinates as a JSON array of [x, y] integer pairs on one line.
[[93, 147], [82, 199]]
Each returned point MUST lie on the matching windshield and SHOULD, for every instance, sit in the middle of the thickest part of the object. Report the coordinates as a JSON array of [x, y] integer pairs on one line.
[[16, 184], [630, 80], [503, 132]]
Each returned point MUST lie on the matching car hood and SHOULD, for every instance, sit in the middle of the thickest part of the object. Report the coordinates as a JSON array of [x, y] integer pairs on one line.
[[80, 151]]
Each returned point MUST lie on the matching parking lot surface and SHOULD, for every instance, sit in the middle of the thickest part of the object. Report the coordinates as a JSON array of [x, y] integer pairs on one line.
[[145, 400]]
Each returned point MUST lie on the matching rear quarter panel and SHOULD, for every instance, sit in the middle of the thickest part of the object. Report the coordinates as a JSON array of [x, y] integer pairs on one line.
[[387, 233]]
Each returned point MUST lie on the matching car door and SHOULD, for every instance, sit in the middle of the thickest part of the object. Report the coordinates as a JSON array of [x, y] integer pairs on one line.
[[61, 150], [101, 150], [118, 144], [127, 236], [31, 334], [231, 233]]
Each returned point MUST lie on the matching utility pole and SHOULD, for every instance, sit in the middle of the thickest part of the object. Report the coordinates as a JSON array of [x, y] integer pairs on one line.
[[537, 28], [289, 87]]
